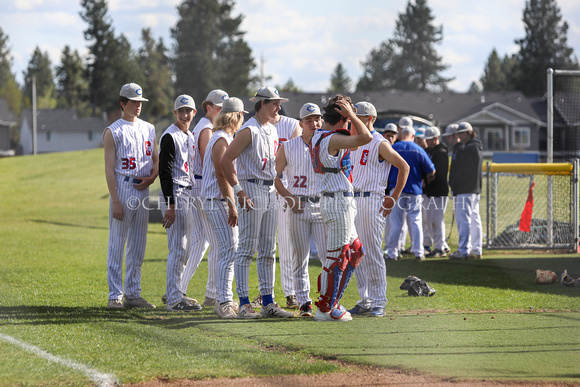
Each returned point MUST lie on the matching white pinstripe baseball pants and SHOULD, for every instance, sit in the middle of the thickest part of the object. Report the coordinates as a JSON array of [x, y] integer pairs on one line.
[[435, 207], [227, 244], [427, 231], [132, 230], [199, 244], [178, 242], [300, 228], [371, 273], [257, 230], [285, 254]]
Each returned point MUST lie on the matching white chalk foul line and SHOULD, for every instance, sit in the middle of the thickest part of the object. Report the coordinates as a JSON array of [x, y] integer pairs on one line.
[[100, 378]]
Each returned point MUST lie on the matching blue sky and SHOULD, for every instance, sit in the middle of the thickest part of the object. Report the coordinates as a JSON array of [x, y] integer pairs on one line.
[[302, 40]]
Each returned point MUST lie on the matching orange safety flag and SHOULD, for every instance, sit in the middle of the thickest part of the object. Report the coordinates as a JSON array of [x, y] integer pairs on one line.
[[526, 219]]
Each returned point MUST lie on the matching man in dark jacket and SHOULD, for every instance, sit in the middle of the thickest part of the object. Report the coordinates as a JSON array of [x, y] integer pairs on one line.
[[437, 192], [467, 189]]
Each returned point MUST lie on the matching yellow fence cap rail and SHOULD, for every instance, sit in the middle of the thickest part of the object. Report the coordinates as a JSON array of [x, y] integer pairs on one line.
[[530, 168]]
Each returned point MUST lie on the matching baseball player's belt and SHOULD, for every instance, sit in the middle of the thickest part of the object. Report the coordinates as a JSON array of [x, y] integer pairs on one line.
[[215, 200], [364, 194], [333, 194], [309, 199], [197, 177], [185, 186], [261, 182], [134, 181]]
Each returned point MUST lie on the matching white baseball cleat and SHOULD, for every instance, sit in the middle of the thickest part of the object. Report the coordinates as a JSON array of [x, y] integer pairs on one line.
[[333, 315], [246, 311]]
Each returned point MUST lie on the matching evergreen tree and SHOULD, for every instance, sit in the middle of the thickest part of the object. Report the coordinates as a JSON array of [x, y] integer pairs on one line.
[[493, 78], [289, 86], [208, 40], [155, 64], [111, 61], [9, 89], [545, 45], [41, 67], [72, 88], [376, 69], [475, 87], [409, 60], [340, 82]]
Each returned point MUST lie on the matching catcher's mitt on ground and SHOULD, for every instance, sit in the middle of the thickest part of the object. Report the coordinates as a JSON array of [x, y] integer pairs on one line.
[[417, 287], [545, 277]]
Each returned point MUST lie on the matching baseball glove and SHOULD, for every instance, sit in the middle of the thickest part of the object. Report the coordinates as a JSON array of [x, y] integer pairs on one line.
[[420, 288], [545, 277], [566, 280], [408, 282]]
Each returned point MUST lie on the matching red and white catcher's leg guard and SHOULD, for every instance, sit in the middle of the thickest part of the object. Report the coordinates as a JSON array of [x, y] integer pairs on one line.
[[330, 278], [357, 251]]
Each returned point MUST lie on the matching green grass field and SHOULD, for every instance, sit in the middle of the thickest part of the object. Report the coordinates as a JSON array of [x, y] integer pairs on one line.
[[488, 319]]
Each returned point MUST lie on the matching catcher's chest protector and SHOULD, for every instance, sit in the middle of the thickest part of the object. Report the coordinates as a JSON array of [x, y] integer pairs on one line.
[[345, 165]]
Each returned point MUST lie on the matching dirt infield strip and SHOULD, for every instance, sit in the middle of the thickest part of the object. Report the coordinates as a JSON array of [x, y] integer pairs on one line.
[[362, 376]]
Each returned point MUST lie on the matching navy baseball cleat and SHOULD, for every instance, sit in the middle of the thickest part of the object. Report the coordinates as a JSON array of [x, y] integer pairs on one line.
[[360, 311]]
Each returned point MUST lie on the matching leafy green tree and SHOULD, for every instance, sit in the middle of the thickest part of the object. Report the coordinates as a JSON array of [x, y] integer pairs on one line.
[[72, 87], [111, 62], [155, 64], [210, 51], [40, 66], [289, 86], [340, 82], [545, 45], [475, 87], [9, 88], [409, 60]]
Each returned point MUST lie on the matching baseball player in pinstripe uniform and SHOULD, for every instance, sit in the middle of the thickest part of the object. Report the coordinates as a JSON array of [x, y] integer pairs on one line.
[[329, 151], [287, 128], [202, 132], [254, 147], [175, 160], [371, 166], [302, 203], [131, 166], [219, 204]]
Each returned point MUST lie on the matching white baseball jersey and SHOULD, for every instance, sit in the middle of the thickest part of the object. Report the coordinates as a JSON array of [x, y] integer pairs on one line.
[[301, 175], [134, 142], [331, 182], [201, 125], [368, 173], [258, 160], [285, 128], [184, 150], [210, 187]]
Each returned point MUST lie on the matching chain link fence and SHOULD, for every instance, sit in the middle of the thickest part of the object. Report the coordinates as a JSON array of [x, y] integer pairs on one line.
[[532, 206]]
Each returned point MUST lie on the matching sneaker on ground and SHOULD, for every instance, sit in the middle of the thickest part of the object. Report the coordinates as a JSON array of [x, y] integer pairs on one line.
[[225, 310], [359, 310], [419, 258], [257, 302], [473, 255], [325, 316], [115, 304], [184, 305], [306, 309], [406, 252], [274, 310], [292, 302], [246, 311], [446, 250], [139, 302], [437, 254], [377, 312], [457, 255], [209, 301]]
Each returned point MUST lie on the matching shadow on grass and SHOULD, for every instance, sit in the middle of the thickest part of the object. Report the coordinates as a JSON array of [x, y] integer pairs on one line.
[[503, 273], [149, 231], [60, 315]]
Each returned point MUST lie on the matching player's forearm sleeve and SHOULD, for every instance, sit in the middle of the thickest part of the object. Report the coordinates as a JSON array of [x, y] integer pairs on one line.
[[166, 160]]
